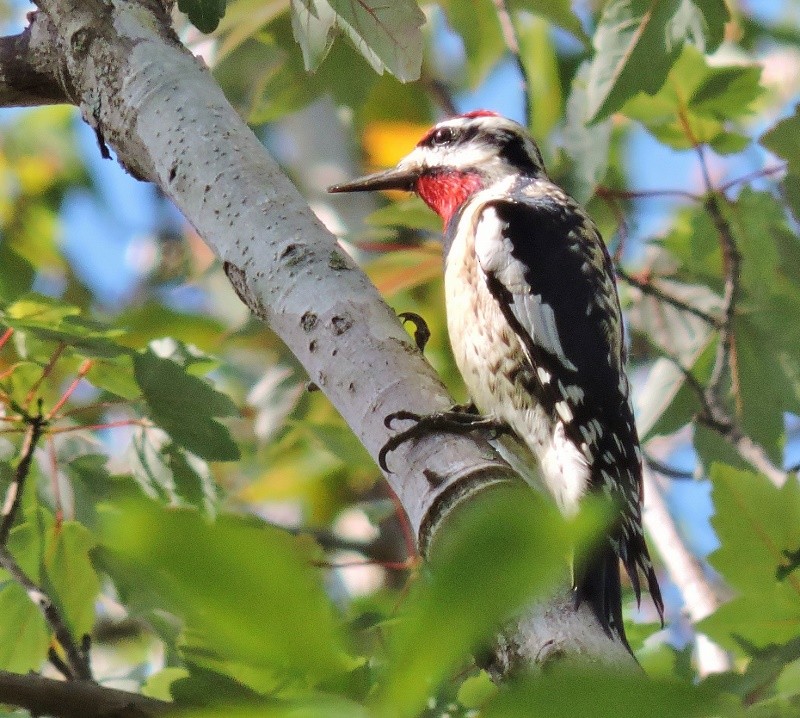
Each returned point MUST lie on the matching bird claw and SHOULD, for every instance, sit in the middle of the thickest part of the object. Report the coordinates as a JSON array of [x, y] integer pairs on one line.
[[460, 419], [421, 332]]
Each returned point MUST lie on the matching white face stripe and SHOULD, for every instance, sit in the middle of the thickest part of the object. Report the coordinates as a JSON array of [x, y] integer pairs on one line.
[[478, 152]]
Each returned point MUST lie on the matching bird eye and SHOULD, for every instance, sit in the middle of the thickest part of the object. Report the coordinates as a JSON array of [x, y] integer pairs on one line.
[[442, 136]]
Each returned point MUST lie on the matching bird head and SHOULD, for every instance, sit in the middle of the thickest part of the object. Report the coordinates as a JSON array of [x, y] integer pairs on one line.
[[457, 158]]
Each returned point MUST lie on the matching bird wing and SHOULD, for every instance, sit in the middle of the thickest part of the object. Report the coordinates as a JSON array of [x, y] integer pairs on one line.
[[546, 265]]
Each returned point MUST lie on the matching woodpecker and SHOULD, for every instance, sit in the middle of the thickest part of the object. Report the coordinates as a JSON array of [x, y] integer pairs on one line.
[[536, 328]]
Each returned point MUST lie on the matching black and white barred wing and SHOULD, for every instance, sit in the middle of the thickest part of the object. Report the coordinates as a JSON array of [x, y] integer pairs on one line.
[[548, 269]]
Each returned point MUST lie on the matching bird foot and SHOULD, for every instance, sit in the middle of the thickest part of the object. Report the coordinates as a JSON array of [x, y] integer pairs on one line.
[[460, 419], [421, 332]]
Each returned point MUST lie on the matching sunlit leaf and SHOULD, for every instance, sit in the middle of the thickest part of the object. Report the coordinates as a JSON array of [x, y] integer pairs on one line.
[[172, 395], [538, 53], [72, 576], [637, 42], [482, 572], [387, 35], [696, 101], [24, 635], [245, 590], [559, 12], [585, 145], [556, 694]]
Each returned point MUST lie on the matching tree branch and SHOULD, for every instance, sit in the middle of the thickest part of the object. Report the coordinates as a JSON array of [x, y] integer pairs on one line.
[[74, 699], [26, 76], [652, 290], [714, 415], [726, 357]]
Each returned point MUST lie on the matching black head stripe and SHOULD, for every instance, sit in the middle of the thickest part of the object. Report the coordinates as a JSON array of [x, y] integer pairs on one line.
[[517, 152]]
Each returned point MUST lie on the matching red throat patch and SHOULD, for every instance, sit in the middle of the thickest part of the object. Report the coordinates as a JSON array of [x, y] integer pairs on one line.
[[445, 192]]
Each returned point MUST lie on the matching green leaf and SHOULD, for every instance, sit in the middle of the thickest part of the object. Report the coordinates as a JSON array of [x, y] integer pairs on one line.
[[755, 522], [558, 12], [165, 471], [476, 690], [782, 140], [51, 320], [482, 570], [762, 618], [204, 14], [409, 212], [185, 407], [637, 42], [115, 375], [17, 275], [567, 692], [313, 25], [696, 101], [72, 576], [387, 35], [24, 635], [152, 320], [246, 591]]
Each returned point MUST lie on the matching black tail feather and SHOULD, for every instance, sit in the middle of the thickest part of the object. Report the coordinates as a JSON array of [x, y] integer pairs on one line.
[[599, 585]]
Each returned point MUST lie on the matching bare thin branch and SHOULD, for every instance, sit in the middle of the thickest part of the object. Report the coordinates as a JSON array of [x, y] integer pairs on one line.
[[74, 699], [651, 289], [669, 471], [77, 660], [726, 358]]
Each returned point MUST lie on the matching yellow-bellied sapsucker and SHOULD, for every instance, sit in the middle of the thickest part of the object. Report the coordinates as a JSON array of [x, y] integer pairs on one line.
[[536, 329]]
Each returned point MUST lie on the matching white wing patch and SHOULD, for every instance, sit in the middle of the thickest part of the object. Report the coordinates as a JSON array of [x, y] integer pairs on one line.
[[493, 250]]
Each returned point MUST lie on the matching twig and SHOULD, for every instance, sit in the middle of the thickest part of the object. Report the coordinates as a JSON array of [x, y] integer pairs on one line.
[[76, 660], [5, 337], [75, 699], [14, 493], [144, 423], [713, 415], [758, 174], [388, 565], [610, 193], [82, 372], [726, 357], [512, 43], [440, 94], [669, 471], [654, 291], [45, 373]]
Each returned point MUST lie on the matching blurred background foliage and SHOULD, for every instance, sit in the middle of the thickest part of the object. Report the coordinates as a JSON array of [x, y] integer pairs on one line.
[[214, 526]]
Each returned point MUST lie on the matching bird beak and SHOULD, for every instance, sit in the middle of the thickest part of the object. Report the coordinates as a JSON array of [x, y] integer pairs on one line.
[[403, 178]]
